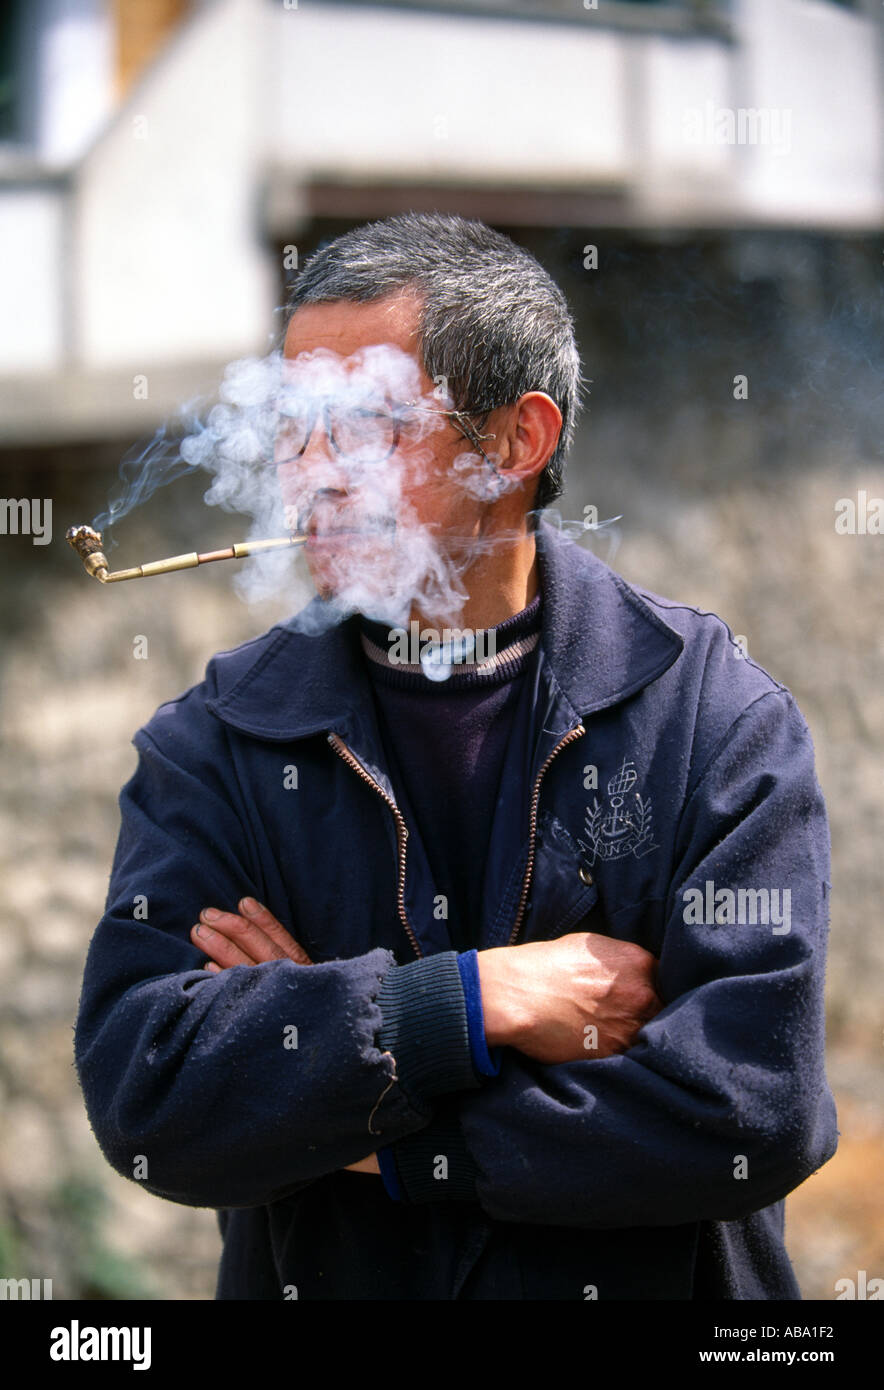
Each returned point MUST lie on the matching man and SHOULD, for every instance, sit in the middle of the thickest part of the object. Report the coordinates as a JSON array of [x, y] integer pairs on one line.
[[507, 984]]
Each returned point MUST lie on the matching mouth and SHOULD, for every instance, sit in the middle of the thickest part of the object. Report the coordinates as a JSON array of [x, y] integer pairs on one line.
[[314, 528], [334, 535]]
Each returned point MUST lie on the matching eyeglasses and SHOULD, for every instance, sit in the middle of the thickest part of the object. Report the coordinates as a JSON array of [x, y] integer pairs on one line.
[[367, 434]]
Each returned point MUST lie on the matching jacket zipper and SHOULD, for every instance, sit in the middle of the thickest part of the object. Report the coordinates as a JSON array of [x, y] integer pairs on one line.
[[573, 734], [343, 751], [349, 758]]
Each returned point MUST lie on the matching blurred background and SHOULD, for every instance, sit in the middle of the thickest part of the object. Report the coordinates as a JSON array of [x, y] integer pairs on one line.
[[706, 183]]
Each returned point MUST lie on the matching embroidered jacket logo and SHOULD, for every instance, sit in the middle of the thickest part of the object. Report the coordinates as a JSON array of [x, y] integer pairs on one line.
[[623, 825]]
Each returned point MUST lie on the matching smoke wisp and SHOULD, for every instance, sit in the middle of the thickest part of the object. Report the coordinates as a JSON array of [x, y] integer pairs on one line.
[[355, 454]]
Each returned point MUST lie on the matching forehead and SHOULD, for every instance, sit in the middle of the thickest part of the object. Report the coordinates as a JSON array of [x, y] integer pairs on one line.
[[344, 326]]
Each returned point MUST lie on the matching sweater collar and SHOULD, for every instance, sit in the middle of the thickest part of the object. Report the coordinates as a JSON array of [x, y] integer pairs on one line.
[[470, 660], [600, 643]]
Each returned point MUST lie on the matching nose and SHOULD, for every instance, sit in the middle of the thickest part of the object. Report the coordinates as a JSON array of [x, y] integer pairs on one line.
[[317, 476], [322, 474], [329, 494]]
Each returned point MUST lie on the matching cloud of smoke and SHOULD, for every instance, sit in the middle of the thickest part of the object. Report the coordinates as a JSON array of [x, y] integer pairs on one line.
[[343, 450]]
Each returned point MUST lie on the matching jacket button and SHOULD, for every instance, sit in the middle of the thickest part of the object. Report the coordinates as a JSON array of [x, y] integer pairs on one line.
[[585, 876]]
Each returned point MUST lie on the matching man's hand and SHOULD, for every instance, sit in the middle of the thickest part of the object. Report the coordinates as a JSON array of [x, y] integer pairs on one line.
[[249, 937], [365, 1165], [543, 997], [246, 938]]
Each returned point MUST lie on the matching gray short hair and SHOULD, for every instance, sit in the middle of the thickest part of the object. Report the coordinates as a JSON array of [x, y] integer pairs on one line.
[[493, 322]]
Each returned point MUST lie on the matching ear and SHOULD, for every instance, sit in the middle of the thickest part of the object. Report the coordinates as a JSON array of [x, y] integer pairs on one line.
[[534, 433]]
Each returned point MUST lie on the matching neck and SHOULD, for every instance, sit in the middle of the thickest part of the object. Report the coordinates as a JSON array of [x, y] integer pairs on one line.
[[498, 584]]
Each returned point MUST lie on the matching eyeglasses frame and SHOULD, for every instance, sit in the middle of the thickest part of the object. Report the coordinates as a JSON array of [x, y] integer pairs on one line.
[[457, 416]]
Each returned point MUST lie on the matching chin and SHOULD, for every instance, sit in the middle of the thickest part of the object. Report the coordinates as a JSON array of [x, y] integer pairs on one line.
[[323, 585]]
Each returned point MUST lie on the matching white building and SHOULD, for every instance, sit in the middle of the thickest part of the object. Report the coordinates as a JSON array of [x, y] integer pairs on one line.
[[143, 237]]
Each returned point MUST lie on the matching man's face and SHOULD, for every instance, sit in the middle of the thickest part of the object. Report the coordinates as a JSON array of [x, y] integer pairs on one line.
[[394, 496]]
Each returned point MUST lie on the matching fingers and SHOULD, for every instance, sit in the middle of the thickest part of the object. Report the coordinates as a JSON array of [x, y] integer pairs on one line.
[[249, 937], [219, 946], [265, 921]]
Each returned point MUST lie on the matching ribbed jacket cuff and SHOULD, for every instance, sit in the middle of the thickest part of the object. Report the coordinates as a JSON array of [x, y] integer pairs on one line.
[[425, 1026], [435, 1165]]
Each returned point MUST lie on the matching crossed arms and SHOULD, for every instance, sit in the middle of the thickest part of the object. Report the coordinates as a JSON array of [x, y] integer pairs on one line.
[[186, 1065], [539, 998]]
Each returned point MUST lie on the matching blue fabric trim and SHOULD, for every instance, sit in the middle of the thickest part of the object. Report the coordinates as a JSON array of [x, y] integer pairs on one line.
[[387, 1165], [484, 1062]]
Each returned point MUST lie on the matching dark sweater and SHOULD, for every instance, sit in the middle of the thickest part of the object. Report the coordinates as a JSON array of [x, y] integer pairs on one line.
[[446, 744]]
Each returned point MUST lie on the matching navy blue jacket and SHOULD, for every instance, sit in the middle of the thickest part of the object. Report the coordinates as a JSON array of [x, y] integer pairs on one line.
[[658, 767]]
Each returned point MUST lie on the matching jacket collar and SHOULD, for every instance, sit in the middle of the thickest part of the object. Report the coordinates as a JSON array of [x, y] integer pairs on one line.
[[601, 643]]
